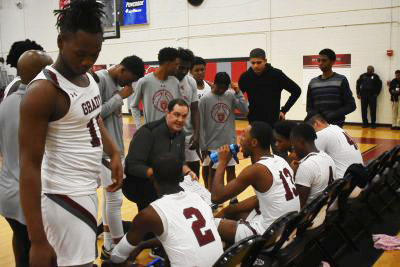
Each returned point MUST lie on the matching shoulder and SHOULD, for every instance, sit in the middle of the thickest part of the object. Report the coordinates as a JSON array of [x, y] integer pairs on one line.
[[338, 76]]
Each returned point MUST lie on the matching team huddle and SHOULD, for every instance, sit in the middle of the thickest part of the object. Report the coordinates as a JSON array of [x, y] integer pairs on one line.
[[67, 140]]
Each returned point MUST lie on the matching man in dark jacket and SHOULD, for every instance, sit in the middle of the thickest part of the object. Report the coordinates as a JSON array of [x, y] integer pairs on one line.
[[329, 94], [263, 85], [369, 86], [394, 89], [150, 141]]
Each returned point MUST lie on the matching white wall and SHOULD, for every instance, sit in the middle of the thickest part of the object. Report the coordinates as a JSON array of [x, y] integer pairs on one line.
[[287, 30]]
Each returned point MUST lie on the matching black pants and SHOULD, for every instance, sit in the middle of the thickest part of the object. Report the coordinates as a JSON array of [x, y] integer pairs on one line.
[[368, 100], [21, 242]]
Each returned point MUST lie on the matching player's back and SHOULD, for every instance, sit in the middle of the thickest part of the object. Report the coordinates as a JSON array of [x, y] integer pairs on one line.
[[338, 144], [316, 170], [282, 196], [190, 236]]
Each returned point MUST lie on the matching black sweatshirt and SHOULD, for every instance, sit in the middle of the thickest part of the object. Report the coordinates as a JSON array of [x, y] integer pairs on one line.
[[368, 85], [149, 142], [264, 93]]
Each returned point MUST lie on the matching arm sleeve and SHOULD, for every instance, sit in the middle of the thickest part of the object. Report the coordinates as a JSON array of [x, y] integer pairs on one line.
[[349, 104], [304, 176], [139, 152], [310, 105], [242, 83], [378, 85], [202, 132], [137, 96], [358, 85], [292, 88], [241, 103]]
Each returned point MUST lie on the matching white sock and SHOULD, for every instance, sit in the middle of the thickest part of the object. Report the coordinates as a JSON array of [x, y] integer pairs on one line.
[[122, 251], [107, 240]]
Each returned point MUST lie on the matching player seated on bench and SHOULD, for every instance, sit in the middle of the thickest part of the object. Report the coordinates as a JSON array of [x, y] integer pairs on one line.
[[269, 175], [182, 222]]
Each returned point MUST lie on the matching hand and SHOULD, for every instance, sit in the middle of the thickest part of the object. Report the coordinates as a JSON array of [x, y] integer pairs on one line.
[[149, 172], [193, 175], [116, 174], [42, 254], [126, 91], [235, 87], [194, 142], [294, 165], [281, 116], [204, 154], [358, 96], [224, 154]]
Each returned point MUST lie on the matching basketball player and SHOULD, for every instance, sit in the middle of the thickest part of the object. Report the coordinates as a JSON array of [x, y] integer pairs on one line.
[[198, 71], [16, 50], [188, 92], [217, 121], [115, 85], [269, 175], [60, 125], [181, 221], [338, 144], [282, 131], [316, 169], [29, 65], [157, 89]]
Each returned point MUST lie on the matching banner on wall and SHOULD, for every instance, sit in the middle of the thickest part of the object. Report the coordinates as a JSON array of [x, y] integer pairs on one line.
[[134, 12], [311, 69]]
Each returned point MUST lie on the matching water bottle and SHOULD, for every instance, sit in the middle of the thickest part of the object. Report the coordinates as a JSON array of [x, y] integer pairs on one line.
[[232, 147]]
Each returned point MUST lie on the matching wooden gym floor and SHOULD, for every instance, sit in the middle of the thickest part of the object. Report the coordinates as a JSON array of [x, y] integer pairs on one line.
[[372, 142]]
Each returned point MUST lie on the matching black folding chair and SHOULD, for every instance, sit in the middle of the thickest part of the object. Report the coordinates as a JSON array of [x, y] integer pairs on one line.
[[243, 252]]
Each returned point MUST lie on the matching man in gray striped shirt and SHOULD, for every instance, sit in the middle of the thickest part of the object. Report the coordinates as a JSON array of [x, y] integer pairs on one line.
[[329, 94]]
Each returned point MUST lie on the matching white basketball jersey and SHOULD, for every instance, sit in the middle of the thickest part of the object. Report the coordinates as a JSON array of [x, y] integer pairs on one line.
[[316, 171], [282, 197], [73, 151], [339, 145], [205, 90], [190, 236]]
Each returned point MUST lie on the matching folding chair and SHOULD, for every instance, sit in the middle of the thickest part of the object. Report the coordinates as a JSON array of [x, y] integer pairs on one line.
[[243, 252]]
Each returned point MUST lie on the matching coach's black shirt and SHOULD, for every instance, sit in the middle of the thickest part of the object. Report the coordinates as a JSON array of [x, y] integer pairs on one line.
[[264, 93], [150, 141]]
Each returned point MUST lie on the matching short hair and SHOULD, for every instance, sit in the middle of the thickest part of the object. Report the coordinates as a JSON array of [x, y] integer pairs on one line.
[[222, 79], [329, 53], [198, 61], [262, 132], [177, 101], [167, 54], [167, 169], [304, 131], [186, 55], [284, 128], [397, 71], [18, 48], [134, 64], [317, 117], [257, 53]]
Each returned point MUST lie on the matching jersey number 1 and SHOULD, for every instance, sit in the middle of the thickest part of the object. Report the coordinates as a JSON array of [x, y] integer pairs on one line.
[[203, 237], [95, 139]]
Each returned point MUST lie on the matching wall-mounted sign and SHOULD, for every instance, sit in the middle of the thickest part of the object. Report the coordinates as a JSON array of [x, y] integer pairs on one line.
[[134, 12]]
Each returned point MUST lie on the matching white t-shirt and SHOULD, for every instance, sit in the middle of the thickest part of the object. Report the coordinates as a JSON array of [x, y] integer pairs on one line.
[[187, 90], [205, 90], [316, 171], [334, 141], [190, 236]]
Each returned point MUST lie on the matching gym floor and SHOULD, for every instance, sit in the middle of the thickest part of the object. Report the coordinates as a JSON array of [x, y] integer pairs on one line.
[[372, 142]]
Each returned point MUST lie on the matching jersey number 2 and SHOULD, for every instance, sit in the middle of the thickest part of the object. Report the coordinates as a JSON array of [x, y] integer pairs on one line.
[[203, 237]]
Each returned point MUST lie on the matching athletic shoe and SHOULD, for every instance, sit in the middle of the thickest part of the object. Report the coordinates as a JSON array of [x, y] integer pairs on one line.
[[105, 253], [234, 201]]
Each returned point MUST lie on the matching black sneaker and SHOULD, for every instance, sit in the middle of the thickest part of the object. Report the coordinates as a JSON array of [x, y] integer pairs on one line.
[[105, 254], [365, 125], [373, 126], [234, 201]]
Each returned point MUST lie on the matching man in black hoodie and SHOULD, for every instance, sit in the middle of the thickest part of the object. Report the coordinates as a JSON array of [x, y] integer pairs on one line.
[[264, 84]]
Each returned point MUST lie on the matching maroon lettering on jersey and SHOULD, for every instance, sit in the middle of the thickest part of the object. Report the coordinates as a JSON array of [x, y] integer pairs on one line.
[[90, 106]]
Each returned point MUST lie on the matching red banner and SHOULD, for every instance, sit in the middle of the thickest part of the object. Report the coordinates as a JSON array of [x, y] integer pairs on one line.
[[342, 60]]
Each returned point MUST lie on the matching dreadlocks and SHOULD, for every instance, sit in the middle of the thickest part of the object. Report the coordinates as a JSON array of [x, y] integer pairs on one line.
[[82, 15], [18, 48]]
